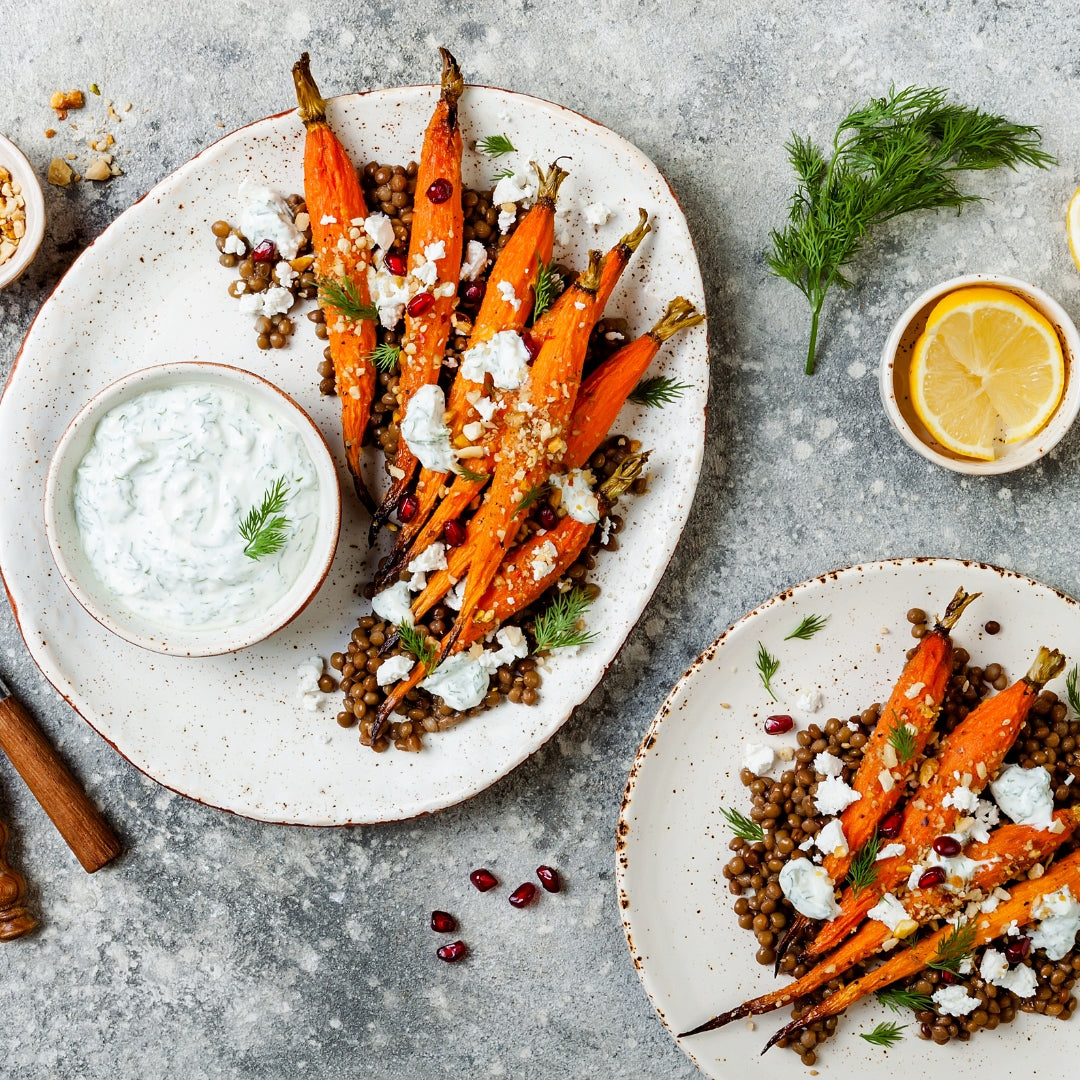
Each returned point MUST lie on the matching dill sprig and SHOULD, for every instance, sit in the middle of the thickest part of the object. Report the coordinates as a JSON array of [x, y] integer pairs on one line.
[[549, 285], [529, 498], [467, 474], [902, 740], [658, 391], [1071, 689], [863, 871], [898, 999], [502, 174], [557, 628], [384, 357], [887, 1033], [266, 528], [412, 641], [954, 949], [495, 146], [808, 627], [343, 296], [743, 827], [890, 156], [767, 667]]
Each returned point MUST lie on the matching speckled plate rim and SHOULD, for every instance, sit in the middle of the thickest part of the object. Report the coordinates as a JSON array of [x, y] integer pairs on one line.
[[719, 977], [689, 363]]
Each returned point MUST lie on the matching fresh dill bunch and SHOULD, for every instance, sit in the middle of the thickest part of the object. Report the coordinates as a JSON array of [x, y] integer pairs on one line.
[[808, 627], [343, 296], [954, 949], [549, 285], [495, 146], [265, 528], [384, 357], [767, 667], [898, 999], [658, 391], [863, 871], [890, 156], [412, 641], [902, 740], [887, 1033], [1071, 689], [743, 827], [557, 628]]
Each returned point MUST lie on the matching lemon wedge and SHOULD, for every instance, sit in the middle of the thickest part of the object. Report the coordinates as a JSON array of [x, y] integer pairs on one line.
[[1072, 226], [988, 368]]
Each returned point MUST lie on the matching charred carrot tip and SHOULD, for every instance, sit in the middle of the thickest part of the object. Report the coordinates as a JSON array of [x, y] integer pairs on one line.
[[680, 315], [312, 106], [549, 182], [590, 278], [620, 480], [1048, 665], [453, 84], [633, 238], [956, 608]]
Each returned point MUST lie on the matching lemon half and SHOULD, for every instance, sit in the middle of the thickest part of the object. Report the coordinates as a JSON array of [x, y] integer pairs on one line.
[[1072, 226], [988, 368]]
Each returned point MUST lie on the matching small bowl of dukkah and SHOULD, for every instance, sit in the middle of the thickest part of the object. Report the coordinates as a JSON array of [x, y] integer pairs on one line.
[[192, 508], [22, 212]]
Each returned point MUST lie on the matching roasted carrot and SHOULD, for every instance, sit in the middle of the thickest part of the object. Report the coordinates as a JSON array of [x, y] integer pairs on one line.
[[1017, 910], [336, 206], [438, 219], [1011, 850], [967, 758]]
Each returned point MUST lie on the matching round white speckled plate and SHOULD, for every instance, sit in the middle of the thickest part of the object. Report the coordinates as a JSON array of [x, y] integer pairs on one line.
[[693, 959], [229, 730]]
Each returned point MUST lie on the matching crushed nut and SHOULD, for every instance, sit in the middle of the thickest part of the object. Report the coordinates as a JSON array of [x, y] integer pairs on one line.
[[59, 173], [63, 100], [98, 170]]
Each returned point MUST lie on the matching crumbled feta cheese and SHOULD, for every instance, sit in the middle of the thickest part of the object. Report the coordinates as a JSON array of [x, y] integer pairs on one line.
[[459, 680], [418, 582], [889, 911], [506, 291], [394, 604], [831, 839], [393, 669], [577, 498], [272, 301], [512, 189], [889, 851], [380, 231], [834, 796], [913, 690], [503, 356], [828, 764], [506, 219], [456, 596], [759, 758], [427, 273], [1060, 915], [424, 429], [307, 683], [597, 213], [977, 827], [476, 258], [433, 557], [963, 798], [284, 274], [328, 219], [809, 889], [234, 245], [994, 969], [811, 701], [435, 252], [266, 216], [514, 647], [473, 430], [544, 560], [389, 294], [954, 1000], [1024, 795], [885, 779], [484, 406]]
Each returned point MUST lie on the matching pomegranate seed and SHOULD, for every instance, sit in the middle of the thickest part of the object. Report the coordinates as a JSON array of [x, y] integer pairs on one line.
[[440, 190], [890, 825], [452, 953], [547, 517], [948, 978], [934, 876], [549, 878], [523, 895], [483, 879], [421, 302], [442, 922], [453, 533], [407, 507], [473, 293], [395, 263], [777, 725], [531, 344], [1017, 949], [265, 252], [948, 847]]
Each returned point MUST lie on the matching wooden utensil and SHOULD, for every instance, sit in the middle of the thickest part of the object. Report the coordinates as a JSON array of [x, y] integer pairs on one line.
[[37, 762], [15, 919]]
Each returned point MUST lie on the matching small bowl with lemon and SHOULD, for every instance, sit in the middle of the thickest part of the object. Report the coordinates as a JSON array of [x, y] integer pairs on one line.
[[976, 374]]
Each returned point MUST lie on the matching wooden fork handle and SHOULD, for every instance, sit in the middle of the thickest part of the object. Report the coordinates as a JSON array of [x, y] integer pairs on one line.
[[15, 919], [76, 818]]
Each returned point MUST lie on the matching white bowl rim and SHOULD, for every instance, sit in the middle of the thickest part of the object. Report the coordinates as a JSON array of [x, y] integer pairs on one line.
[[1031, 449], [175, 641], [17, 163]]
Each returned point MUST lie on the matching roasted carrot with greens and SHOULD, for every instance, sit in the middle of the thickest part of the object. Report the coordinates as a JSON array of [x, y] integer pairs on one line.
[[336, 206]]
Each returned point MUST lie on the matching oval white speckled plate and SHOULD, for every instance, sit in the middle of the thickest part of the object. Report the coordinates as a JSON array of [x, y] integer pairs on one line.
[[229, 730], [693, 959]]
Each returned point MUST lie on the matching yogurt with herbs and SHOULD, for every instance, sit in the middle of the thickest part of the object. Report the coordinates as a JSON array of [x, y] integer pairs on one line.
[[161, 494]]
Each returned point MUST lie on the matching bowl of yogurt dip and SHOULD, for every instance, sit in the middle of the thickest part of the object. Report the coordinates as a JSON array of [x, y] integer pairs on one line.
[[192, 508]]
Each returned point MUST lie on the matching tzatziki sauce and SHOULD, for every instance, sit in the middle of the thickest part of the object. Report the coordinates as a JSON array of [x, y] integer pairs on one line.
[[160, 495]]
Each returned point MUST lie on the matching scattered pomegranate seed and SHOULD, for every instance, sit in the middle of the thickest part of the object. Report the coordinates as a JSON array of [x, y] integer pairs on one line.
[[265, 251], [452, 953], [473, 293], [948, 847], [523, 895], [547, 517], [1017, 949], [934, 876], [531, 344], [483, 879], [421, 302], [440, 190], [395, 263], [890, 825], [777, 725], [948, 978], [407, 507], [453, 533], [549, 878], [442, 922]]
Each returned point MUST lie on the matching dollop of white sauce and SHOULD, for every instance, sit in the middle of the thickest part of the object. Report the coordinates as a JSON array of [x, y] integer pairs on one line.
[[394, 604], [577, 497], [503, 356], [1060, 915], [809, 889], [1024, 795], [424, 429], [160, 495], [459, 680], [265, 216]]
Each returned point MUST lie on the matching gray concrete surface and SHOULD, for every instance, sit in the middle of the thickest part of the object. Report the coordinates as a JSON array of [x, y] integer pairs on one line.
[[219, 947]]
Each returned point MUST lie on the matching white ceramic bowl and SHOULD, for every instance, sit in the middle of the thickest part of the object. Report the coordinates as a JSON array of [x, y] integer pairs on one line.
[[896, 370], [13, 159], [63, 531]]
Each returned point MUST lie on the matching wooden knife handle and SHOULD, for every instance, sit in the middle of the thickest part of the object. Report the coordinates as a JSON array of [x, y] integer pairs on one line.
[[15, 920], [59, 793]]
